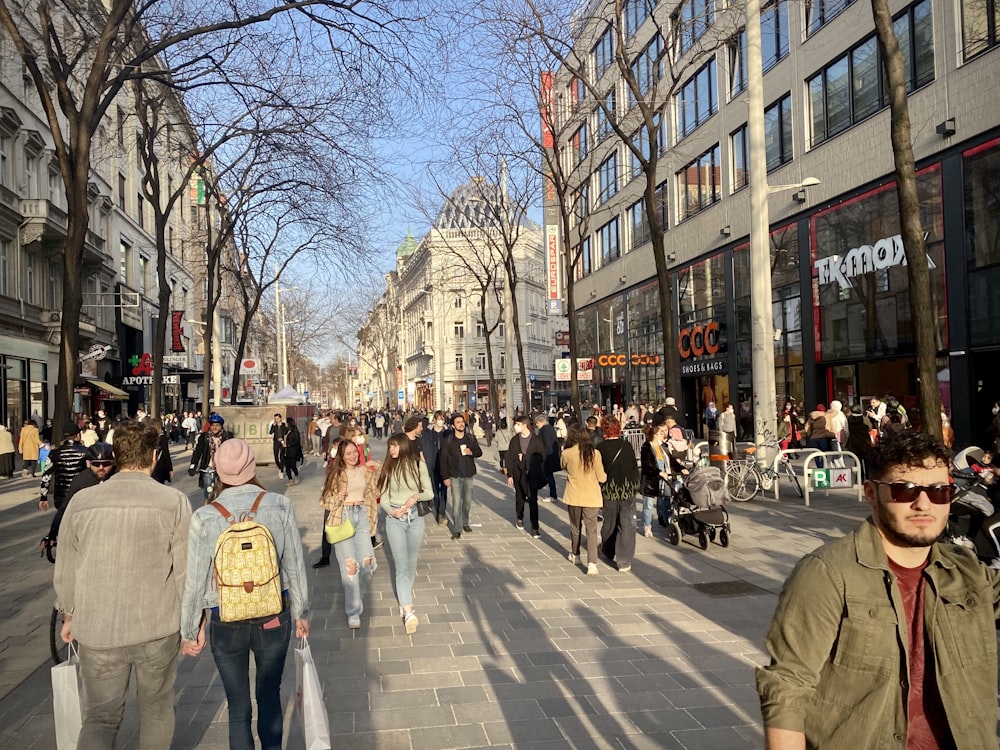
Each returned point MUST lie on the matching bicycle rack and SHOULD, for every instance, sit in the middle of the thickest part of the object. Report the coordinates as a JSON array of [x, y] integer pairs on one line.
[[790, 453], [810, 471]]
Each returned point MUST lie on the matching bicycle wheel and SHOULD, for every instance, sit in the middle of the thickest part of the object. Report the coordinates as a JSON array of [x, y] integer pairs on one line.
[[792, 476], [742, 481], [767, 478], [55, 638]]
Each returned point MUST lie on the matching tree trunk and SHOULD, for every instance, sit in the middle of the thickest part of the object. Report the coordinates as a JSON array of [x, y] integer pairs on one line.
[[921, 301], [160, 335]]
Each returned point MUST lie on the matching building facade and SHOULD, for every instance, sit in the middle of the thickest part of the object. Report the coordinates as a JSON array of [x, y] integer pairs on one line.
[[840, 290], [429, 332]]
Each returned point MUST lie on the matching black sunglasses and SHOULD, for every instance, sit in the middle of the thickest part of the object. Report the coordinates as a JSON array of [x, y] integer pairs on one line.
[[102, 463], [907, 492]]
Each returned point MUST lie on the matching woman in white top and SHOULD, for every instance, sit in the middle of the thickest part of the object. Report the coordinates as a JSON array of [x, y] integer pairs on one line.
[[403, 481]]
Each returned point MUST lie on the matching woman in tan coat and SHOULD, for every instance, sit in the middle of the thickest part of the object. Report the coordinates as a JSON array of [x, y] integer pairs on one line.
[[28, 445], [585, 473]]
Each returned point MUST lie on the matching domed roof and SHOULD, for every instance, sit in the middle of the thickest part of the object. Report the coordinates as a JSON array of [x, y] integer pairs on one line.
[[407, 246], [475, 204]]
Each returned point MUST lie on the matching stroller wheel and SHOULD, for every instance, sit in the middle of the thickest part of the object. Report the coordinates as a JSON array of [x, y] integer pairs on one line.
[[674, 534], [711, 533], [703, 538], [724, 538]]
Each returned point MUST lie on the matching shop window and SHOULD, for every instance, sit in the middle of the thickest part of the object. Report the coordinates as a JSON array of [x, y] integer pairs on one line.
[[981, 168], [980, 21]]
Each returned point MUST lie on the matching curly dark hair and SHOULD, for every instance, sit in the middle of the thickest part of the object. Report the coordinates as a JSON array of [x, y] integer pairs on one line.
[[907, 448]]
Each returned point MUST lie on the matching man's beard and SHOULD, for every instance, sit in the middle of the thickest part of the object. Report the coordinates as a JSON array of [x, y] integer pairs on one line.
[[890, 530]]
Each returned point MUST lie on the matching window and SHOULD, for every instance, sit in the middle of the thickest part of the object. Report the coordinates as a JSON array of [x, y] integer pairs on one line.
[[640, 139], [51, 287], [605, 115], [603, 52], [140, 209], [607, 238], [852, 87], [141, 277], [607, 177], [585, 263], [638, 225], [125, 260], [120, 127], [5, 256], [578, 145], [459, 330], [4, 159], [778, 132], [737, 48], [121, 191], [647, 68], [458, 302], [581, 204], [634, 13], [690, 21], [480, 330], [29, 173], [29, 277], [480, 361], [741, 159], [661, 204], [459, 361], [773, 33], [697, 100], [980, 20], [698, 183], [821, 12]]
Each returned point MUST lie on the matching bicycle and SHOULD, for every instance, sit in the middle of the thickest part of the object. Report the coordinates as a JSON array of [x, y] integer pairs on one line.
[[209, 484], [56, 645], [746, 477]]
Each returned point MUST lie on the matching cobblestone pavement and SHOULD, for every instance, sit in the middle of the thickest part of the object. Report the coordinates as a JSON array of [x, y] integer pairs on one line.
[[517, 647]]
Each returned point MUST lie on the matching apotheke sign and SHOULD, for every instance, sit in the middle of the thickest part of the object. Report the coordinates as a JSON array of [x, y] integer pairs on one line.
[[885, 253]]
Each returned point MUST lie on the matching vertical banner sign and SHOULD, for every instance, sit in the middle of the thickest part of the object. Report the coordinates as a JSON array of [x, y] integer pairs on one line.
[[552, 260], [176, 331], [547, 86]]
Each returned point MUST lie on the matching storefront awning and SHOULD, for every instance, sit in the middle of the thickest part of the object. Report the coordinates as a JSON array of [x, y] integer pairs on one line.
[[110, 392]]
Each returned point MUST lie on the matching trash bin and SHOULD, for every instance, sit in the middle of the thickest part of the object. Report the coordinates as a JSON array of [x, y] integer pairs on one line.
[[718, 448]]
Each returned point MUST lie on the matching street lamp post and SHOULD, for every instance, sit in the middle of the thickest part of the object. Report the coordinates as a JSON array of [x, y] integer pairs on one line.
[[765, 410]]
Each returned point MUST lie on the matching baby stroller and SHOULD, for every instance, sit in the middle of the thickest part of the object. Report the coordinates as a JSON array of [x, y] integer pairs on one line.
[[697, 505]]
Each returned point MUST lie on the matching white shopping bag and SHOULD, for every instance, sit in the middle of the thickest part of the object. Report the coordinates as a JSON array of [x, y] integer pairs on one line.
[[66, 701], [309, 700]]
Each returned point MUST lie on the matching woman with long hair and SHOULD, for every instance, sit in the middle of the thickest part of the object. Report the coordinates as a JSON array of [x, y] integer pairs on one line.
[[584, 475], [350, 492], [403, 481], [266, 637], [618, 531], [653, 468]]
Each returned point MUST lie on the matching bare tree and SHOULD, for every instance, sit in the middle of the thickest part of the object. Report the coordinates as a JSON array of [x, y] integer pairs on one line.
[[79, 58], [921, 302]]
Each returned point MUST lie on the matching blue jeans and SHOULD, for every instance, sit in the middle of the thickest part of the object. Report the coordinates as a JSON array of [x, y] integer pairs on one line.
[[357, 549], [460, 503], [405, 536], [105, 674], [232, 643], [648, 504]]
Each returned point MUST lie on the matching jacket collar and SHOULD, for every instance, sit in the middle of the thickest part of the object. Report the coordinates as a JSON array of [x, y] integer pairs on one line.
[[871, 554]]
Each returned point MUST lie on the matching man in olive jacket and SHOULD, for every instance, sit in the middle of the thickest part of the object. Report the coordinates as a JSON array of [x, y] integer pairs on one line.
[[885, 638]]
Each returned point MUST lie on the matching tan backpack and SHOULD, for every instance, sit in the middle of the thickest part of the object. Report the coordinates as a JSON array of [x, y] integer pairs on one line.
[[246, 568]]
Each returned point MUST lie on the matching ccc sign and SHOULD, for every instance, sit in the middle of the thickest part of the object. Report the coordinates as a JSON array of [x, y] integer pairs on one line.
[[700, 340], [619, 360]]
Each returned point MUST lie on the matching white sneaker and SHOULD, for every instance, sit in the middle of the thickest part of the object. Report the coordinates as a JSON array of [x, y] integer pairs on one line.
[[410, 622], [591, 569], [574, 558], [545, 499]]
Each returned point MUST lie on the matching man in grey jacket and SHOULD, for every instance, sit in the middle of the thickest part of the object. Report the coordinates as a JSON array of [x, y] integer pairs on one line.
[[119, 580]]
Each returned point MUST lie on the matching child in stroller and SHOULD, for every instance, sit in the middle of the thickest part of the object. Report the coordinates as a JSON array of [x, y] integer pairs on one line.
[[697, 505]]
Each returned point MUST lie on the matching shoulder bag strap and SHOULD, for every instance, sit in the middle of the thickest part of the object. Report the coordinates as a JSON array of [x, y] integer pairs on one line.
[[225, 513]]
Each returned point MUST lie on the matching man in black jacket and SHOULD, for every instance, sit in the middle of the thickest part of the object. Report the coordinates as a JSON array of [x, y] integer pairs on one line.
[[459, 452], [203, 456], [65, 463], [278, 430], [525, 466], [548, 435], [431, 441], [101, 462]]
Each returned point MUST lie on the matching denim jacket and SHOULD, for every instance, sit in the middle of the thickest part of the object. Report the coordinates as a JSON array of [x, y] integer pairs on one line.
[[277, 513], [838, 644]]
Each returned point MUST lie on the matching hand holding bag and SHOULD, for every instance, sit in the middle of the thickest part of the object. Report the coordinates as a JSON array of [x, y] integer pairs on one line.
[[66, 701], [309, 700], [341, 532]]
